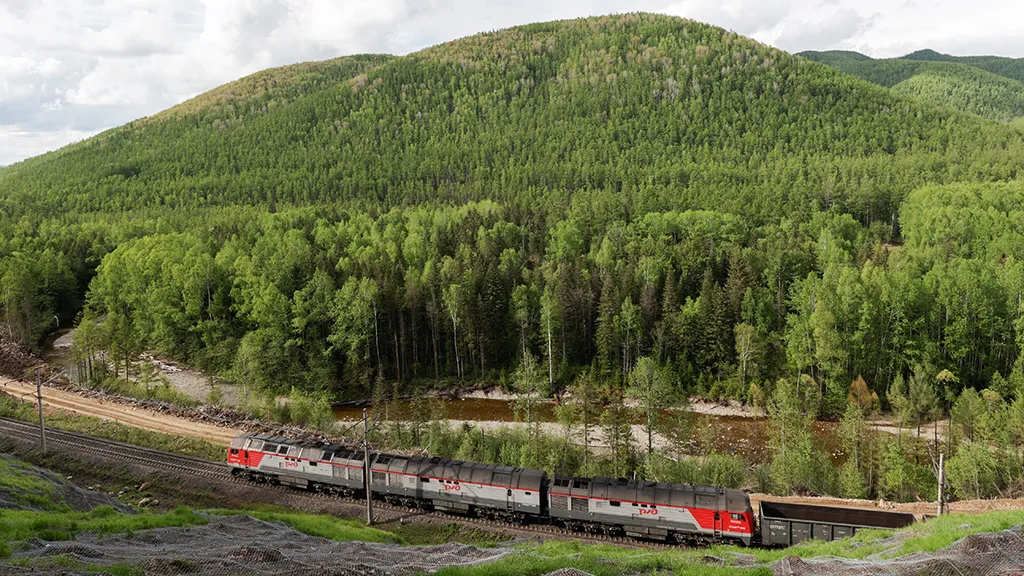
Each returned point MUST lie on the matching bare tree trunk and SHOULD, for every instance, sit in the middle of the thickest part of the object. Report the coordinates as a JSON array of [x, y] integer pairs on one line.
[[398, 366], [551, 365], [376, 336], [455, 342]]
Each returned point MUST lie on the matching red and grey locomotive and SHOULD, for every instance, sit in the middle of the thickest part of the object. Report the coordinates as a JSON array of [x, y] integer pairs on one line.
[[669, 512]]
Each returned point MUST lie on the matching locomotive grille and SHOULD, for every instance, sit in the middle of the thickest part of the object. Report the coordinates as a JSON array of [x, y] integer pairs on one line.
[[579, 505], [355, 473], [560, 502], [377, 478], [396, 479]]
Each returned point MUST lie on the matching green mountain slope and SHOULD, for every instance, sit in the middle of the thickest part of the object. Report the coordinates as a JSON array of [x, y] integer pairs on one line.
[[660, 106], [1012, 68], [986, 86], [583, 192], [966, 88], [263, 91], [834, 57]]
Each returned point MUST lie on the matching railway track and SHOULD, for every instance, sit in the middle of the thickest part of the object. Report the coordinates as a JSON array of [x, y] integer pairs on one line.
[[217, 471], [117, 450]]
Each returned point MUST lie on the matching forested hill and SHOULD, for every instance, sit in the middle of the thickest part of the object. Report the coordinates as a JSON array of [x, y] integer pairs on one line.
[[1012, 68], [988, 86], [583, 193], [671, 112]]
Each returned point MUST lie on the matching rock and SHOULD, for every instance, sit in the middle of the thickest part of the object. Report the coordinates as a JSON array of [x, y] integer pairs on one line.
[[143, 486], [146, 502], [69, 477], [964, 527]]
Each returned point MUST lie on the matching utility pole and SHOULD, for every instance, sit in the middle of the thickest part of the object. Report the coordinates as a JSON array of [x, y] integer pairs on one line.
[[942, 480], [366, 476], [39, 396]]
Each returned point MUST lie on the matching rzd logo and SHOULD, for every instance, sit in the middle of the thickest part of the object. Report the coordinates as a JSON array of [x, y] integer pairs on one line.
[[649, 512], [291, 464], [452, 487]]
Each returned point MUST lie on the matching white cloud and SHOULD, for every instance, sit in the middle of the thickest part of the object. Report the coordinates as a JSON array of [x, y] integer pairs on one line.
[[70, 69]]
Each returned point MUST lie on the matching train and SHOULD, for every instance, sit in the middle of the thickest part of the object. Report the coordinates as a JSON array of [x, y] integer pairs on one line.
[[673, 513]]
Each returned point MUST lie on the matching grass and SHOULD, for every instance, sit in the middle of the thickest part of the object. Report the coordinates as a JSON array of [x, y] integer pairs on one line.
[[428, 534], [925, 537], [330, 527], [160, 391], [26, 411], [929, 536], [26, 488], [599, 560], [17, 525]]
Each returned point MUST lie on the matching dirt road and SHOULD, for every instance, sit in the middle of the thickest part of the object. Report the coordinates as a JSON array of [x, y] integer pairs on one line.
[[130, 415]]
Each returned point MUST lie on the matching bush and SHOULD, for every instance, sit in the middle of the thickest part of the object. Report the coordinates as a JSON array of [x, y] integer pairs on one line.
[[972, 471], [903, 480], [851, 481]]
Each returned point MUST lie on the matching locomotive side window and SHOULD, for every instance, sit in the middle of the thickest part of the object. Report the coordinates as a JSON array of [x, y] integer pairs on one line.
[[234, 450], [269, 448], [583, 484], [424, 480], [282, 450], [736, 516], [614, 503]]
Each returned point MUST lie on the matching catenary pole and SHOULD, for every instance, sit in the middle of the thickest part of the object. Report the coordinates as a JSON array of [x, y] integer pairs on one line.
[[942, 480], [39, 397], [366, 475]]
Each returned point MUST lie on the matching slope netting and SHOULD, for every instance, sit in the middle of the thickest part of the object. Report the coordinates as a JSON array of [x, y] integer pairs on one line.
[[995, 553], [244, 545]]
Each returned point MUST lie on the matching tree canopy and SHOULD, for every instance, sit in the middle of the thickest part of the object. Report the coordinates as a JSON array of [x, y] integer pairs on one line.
[[584, 194]]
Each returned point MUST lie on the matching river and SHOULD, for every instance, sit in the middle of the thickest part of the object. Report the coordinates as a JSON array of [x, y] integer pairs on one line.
[[744, 436]]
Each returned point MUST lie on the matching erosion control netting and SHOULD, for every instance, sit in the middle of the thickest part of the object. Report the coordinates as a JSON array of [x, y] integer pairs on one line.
[[244, 545], [46, 491], [995, 553]]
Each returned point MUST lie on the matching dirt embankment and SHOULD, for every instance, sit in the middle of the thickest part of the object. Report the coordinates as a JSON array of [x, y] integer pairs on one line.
[[140, 417]]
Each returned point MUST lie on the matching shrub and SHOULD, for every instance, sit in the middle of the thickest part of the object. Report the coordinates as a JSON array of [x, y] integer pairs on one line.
[[972, 471]]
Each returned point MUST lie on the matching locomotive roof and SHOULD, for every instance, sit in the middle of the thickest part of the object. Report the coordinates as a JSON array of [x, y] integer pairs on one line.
[[307, 443], [647, 491]]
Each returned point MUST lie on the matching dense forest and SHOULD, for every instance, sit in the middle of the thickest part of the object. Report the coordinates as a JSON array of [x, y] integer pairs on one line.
[[988, 86], [573, 195]]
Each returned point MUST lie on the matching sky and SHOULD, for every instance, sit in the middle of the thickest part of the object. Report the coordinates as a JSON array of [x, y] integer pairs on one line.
[[72, 68]]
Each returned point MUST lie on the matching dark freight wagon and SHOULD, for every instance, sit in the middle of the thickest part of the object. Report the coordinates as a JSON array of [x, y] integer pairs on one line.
[[784, 524]]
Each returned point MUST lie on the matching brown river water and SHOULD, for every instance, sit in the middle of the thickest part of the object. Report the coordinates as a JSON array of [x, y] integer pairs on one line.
[[740, 435]]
